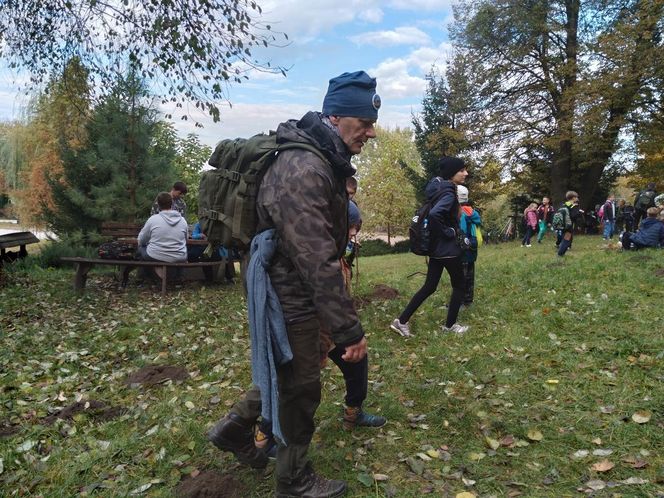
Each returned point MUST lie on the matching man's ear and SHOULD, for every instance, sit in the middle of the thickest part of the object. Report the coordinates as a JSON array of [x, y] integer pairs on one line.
[[334, 120]]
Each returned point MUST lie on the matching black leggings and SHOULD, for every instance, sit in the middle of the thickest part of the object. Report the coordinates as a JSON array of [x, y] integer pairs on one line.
[[434, 272], [356, 376]]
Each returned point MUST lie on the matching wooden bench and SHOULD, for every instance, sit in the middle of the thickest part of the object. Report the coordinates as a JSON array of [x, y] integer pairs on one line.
[[16, 239], [128, 232], [120, 230], [83, 266]]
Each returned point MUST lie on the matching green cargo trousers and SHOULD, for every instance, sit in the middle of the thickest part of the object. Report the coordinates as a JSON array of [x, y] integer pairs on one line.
[[299, 397]]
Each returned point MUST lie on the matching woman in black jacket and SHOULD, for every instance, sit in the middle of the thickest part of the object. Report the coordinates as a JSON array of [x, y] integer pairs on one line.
[[445, 253]]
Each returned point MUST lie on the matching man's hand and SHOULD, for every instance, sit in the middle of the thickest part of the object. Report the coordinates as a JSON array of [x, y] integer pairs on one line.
[[355, 352]]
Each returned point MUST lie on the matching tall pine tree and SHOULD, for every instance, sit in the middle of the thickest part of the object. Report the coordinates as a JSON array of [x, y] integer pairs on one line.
[[118, 170]]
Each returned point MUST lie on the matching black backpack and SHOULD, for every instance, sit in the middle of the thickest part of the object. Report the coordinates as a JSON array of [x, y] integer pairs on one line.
[[419, 232]]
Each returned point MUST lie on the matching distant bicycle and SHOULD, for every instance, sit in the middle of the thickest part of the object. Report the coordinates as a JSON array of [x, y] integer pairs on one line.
[[508, 231]]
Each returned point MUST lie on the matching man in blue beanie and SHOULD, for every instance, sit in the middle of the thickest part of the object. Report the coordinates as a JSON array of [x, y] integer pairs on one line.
[[303, 198]]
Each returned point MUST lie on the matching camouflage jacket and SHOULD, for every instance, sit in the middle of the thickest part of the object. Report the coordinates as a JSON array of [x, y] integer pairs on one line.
[[304, 199], [178, 205]]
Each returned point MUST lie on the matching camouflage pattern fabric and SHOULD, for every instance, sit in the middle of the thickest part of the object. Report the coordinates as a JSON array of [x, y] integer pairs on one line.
[[304, 199], [178, 205]]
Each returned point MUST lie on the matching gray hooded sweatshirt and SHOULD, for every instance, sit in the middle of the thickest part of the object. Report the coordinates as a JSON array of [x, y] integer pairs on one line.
[[165, 236]]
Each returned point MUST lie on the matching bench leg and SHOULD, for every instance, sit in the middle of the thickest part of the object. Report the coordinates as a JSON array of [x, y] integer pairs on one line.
[[125, 275], [162, 273], [81, 276]]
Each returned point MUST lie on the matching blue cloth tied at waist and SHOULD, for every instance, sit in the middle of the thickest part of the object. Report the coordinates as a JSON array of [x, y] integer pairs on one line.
[[267, 326]]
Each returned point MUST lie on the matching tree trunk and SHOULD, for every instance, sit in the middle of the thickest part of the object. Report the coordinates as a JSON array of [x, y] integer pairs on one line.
[[565, 103]]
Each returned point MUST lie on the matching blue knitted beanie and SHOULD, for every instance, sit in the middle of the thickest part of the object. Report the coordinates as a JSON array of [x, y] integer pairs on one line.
[[352, 95], [354, 216]]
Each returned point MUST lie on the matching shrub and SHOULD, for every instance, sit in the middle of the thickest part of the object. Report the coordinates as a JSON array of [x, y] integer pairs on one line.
[[50, 254], [375, 247], [401, 246]]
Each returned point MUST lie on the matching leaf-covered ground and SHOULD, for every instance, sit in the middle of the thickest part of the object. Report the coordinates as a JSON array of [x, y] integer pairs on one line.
[[555, 391]]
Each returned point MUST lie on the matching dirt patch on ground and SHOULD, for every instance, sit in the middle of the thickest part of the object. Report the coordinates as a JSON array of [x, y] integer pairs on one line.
[[153, 375], [659, 272], [98, 410], [381, 292], [8, 430], [210, 485]]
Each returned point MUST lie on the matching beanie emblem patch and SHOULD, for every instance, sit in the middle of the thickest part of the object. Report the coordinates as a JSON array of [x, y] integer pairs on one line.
[[375, 101]]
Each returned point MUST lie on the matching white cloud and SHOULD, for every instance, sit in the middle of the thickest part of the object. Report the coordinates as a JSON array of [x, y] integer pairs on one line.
[[421, 4], [400, 78], [304, 20], [405, 35]]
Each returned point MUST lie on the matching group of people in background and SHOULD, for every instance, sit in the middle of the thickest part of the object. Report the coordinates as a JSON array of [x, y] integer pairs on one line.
[[638, 226]]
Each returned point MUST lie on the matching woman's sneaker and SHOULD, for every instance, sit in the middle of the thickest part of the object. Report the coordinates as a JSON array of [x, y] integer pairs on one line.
[[457, 328], [402, 329]]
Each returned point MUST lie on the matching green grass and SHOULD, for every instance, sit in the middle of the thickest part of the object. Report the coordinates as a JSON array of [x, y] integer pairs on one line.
[[567, 350]]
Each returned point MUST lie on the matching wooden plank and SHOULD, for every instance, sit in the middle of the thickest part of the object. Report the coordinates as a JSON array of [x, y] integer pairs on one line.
[[83, 266], [16, 239]]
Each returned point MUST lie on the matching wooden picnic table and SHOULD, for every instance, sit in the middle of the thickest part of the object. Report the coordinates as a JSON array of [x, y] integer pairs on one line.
[[16, 239]]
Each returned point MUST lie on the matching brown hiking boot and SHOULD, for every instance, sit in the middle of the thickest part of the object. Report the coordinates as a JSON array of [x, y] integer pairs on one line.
[[355, 417], [235, 434], [311, 485]]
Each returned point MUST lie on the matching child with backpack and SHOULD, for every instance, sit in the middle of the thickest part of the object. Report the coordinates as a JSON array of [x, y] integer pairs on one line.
[[530, 218], [470, 225], [564, 221]]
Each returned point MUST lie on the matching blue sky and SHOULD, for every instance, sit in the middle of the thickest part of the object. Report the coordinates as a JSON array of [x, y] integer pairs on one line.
[[396, 41]]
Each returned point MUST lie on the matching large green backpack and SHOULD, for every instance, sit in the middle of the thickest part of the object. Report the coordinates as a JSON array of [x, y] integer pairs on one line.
[[227, 194], [645, 200], [561, 219]]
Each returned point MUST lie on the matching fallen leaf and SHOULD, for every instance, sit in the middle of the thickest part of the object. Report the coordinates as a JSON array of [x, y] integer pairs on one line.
[[535, 435], [380, 477], [141, 489], [465, 494], [416, 466], [189, 405], [596, 484], [476, 456], [641, 417], [492, 443], [424, 457], [603, 466], [597, 441], [433, 453], [26, 446], [366, 479], [580, 454], [602, 452], [507, 440], [634, 480]]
